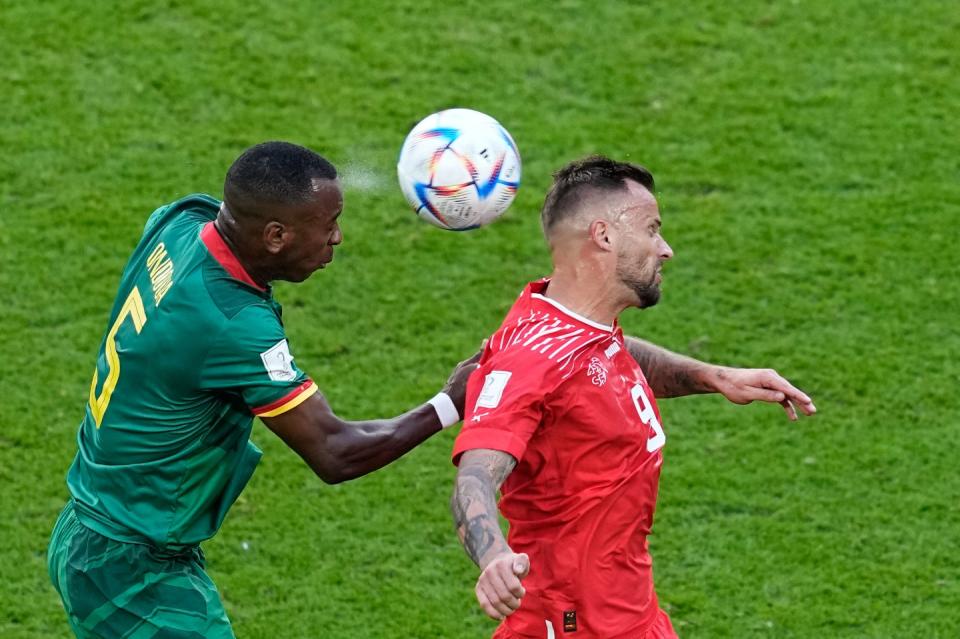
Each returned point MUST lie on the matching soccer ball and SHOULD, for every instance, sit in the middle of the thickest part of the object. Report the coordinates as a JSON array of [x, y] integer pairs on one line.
[[459, 169]]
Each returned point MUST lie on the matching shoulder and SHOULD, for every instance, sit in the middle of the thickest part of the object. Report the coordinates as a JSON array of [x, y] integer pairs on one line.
[[544, 345], [253, 321], [253, 334], [201, 286], [202, 205], [233, 297]]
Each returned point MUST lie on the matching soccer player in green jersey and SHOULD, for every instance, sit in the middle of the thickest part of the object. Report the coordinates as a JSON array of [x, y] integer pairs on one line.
[[194, 349]]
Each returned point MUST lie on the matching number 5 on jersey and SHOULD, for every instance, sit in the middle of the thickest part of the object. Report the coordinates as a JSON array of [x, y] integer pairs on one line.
[[132, 308], [649, 417]]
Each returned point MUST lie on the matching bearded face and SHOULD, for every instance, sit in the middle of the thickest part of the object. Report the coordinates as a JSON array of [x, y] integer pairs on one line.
[[640, 274]]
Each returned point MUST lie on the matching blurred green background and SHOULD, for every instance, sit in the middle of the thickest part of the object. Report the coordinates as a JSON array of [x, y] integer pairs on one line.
[[808, 168]]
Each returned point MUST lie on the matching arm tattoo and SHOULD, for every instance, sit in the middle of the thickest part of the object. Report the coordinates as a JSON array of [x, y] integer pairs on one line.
[[474, 504], [669, 374]]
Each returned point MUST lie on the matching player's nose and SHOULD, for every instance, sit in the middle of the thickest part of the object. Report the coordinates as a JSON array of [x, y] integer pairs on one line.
[[665, 251]]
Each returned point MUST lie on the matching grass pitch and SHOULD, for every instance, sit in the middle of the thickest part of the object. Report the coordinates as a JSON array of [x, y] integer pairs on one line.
[[806, 158]]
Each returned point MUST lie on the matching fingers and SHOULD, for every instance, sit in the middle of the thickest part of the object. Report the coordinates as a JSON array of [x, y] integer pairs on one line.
[[473, 359], [790, 410], [521, 565], [500, 601], [770, 386], [747, 385], [499, 589], [776, 382], [507, 588], [767, 395], [485, 604]]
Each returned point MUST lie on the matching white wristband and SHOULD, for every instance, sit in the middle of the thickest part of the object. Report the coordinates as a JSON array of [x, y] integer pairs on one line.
[[446, 411]]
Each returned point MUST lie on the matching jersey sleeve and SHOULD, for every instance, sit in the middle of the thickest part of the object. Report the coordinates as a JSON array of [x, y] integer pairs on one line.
[[505, 404], [251, 358]]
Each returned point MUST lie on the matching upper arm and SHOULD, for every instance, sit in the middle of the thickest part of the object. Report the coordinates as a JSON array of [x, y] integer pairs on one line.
[[490, 467], [506, 403], [641, 351], [309, 429], [251, 358]]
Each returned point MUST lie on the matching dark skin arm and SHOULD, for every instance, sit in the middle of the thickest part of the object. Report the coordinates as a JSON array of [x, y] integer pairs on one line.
[[338, 450], [474, 507], [673, 375]]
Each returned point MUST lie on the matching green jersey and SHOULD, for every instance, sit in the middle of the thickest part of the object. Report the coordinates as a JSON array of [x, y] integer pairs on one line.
[[193, 350]]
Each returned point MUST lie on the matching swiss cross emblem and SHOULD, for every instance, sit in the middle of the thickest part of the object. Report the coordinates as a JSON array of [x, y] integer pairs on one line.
[[596, 372]]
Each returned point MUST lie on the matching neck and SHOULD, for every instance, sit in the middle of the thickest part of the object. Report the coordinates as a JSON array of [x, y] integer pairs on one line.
[[229, 230], [584, 288]]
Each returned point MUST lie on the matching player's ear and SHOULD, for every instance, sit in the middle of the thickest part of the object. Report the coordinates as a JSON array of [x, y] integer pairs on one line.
[[601, 232], [274, 237]]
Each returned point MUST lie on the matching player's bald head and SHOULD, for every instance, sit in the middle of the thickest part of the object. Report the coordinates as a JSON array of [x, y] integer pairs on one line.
[[275, 176], [593, 185]]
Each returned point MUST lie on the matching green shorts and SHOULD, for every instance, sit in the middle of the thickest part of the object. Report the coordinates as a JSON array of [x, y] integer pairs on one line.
[[115, 589]]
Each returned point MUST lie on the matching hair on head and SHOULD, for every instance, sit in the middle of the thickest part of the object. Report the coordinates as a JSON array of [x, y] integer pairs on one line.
[[595, 172], [276, 172]]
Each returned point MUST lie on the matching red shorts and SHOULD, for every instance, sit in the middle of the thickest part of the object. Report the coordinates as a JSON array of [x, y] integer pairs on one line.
[[661, 629]]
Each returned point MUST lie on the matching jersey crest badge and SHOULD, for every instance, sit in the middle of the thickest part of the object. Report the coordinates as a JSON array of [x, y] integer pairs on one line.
[[597, 372]]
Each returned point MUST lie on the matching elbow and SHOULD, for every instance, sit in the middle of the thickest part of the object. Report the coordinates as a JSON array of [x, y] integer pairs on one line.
[[331, 470], [331, 477], [329, 462], [335, 474]]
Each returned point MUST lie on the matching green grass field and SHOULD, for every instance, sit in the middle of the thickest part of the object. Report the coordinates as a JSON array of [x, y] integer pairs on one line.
[[807, 161]]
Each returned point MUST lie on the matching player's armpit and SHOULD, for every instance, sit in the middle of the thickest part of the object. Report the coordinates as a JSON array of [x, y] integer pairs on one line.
[[474, 506]]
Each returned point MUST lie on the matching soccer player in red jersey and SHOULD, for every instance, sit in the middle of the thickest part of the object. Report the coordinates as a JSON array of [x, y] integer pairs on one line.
[[561, 417]]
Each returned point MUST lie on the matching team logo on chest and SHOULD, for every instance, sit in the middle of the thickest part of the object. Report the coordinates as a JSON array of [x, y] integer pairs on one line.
[[597, 372]]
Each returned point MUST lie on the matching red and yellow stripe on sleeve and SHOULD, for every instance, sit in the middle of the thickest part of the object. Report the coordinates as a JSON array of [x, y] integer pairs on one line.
[[289, 401]]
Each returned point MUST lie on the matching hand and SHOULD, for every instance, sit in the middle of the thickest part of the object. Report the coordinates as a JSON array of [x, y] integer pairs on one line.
[[498, 589], [745, 385], [456, 386]]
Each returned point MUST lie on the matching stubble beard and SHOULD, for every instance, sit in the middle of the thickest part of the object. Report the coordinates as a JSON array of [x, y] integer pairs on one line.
[[647, 292]]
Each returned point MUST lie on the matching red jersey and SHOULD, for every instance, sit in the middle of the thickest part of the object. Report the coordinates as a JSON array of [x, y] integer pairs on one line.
[[562, 395]]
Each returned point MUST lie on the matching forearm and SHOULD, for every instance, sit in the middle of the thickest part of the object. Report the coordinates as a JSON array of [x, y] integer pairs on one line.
[[361, 447], [670, 374], [474, 511]]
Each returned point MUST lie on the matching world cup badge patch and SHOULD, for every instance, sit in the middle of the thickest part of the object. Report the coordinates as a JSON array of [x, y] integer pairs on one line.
[[279, 362]]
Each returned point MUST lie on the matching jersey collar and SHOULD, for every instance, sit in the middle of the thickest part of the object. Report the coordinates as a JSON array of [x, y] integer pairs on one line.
[[537, 290], [218, 248]]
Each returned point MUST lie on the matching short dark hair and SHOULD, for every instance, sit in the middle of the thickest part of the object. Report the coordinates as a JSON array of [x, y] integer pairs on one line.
[[593, 172], [276, 172]]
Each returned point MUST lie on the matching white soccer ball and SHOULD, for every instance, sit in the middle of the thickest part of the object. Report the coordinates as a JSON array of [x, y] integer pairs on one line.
[[459, 169]]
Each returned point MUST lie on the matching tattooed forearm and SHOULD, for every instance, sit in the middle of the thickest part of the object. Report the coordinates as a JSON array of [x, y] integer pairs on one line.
[[474, 504], [479, 538], [670, 374]]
